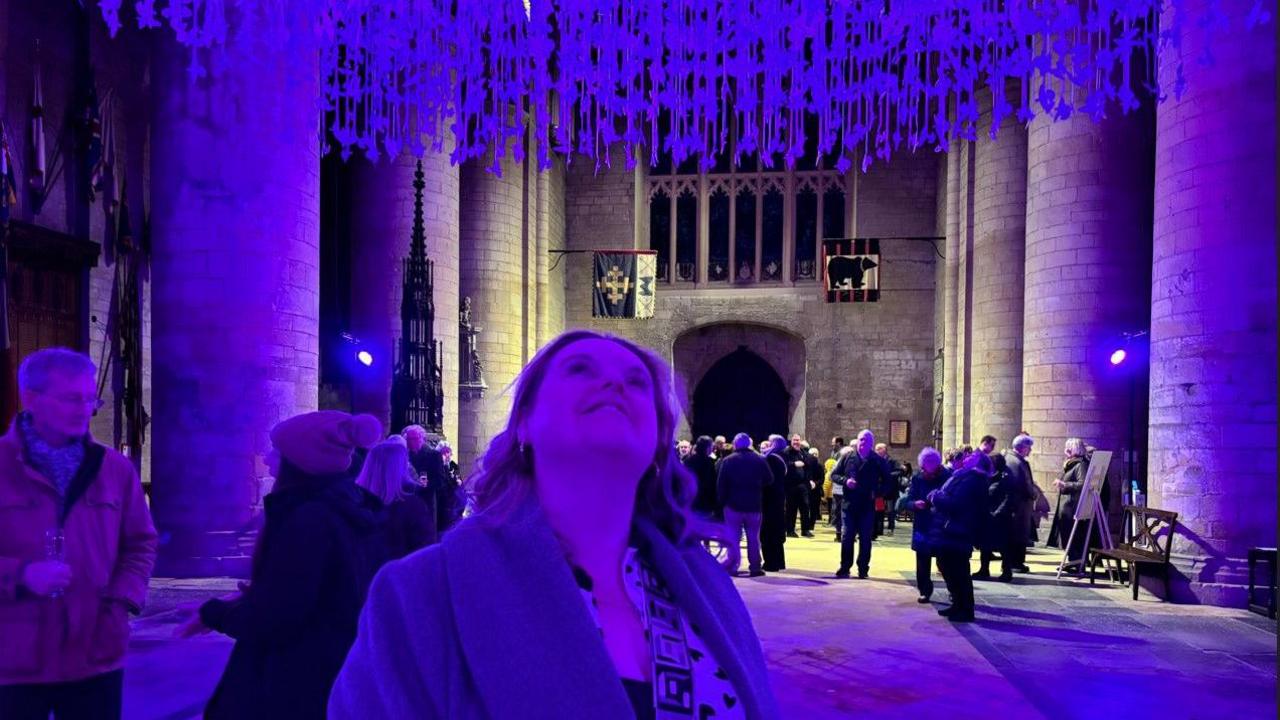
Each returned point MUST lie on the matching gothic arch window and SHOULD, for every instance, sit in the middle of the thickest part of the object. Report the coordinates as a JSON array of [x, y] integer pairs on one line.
[[744, 225]]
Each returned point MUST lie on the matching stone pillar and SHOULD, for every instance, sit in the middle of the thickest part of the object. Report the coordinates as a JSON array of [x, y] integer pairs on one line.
[[1087, 269], [236, 268], [1213, 308], [542, 258], [964, 292], [555, 315], [492, 274], [381, 230], [1000, 203], [951, 294]]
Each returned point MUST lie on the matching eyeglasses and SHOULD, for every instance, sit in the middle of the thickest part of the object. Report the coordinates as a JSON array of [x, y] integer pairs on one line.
[[92, 402]]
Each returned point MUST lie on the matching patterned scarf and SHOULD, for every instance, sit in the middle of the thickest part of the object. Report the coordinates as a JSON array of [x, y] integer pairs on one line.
[[58, 464], [687, 681]]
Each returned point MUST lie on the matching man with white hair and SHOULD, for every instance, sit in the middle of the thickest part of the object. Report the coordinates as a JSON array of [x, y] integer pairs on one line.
[[863, 473], [76, 548], [740, 482], [1023, 492]]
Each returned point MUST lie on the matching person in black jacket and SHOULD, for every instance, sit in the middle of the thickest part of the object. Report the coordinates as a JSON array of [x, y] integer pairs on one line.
[[797, 486], [703, 468], [1070, 491], [318, 551], [740, 482], [889, 491], [428, 463], [815, 475], [932, 475], [388, 476], [958, 507], [773, 535], [862, 473], [997, 533]]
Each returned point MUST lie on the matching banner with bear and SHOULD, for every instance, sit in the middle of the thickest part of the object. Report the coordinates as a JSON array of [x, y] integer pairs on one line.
[[851, 269]]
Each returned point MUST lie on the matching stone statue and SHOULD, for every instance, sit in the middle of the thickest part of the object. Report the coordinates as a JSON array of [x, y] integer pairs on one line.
[[470, 368]]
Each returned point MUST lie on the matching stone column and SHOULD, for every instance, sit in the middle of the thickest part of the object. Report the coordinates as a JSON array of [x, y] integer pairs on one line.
[[542, 258], [1213, 308], [964, 292], [1087, 270], [381, 230], [492, 275], [236, 267], [950, 290], [1000, 202]]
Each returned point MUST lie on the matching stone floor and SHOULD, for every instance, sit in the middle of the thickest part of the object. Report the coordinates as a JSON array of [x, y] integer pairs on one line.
[[864, 648]]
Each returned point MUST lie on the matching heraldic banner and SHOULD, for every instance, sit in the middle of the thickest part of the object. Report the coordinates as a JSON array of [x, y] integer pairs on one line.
[[851, 269], [624, 284]]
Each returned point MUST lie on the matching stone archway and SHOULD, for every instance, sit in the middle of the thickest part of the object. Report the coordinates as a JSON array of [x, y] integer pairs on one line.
[[740, 393], [753, 364]]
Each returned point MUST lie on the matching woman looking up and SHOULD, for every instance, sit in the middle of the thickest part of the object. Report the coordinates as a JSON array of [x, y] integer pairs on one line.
[[581, 578]]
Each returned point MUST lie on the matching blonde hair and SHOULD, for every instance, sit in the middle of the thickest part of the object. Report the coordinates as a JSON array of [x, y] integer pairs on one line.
[[504, 478], [385, 471], [1075, 447]]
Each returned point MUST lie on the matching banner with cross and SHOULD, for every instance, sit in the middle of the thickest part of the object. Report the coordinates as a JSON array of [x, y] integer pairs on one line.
[[624, 283]]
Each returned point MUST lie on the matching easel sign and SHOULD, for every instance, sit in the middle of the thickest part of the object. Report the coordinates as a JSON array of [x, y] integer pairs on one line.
[[1088, 510], [1097, 472]]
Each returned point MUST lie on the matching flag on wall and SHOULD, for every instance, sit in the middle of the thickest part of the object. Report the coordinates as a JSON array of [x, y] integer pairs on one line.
[[39, 168], [851, 269], [8, 200], [624, 284]]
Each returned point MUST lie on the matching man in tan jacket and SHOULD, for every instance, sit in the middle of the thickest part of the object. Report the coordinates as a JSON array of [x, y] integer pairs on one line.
[[76, 550]]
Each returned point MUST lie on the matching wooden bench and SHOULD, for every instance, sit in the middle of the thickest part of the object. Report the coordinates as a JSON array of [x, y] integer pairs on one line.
[[1150, 545]]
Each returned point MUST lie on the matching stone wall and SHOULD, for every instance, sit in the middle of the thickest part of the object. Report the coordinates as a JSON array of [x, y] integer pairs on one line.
[[864, 364], [71, 40]]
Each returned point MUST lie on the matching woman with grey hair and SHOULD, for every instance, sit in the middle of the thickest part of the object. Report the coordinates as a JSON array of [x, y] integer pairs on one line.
[[543, 603], [931, 476], [1075, 467]]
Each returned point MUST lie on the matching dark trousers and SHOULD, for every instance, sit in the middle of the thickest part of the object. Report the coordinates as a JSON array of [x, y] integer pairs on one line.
[[924, 570], [815, 506], [95, 698], [859, 522], [955, 573], [798, 502], [1011, 557], [773, 532], [837, 508]]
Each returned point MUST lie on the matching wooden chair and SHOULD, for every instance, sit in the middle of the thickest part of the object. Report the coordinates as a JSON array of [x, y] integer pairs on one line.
[[1150, 546]]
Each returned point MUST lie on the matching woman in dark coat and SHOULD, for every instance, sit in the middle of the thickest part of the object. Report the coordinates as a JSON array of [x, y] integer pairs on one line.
[[318, 551], [773, 525], [703, 467], [1001, 531], [931, 476], [958, 507], [388, 476], [1070, 489]]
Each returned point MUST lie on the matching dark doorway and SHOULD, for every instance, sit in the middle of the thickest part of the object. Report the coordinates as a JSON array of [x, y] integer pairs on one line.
[[740, 393]]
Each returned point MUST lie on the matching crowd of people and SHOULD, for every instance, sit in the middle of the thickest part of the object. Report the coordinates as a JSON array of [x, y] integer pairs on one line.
[[966, 500], [344, 503], [557, 514]]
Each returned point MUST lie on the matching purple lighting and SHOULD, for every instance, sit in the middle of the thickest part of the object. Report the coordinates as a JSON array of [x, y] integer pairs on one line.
[[366, 358], [1118, 356], [598, 73]]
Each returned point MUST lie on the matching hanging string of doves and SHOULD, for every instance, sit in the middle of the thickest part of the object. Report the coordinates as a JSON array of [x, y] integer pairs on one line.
[[681, 76]]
